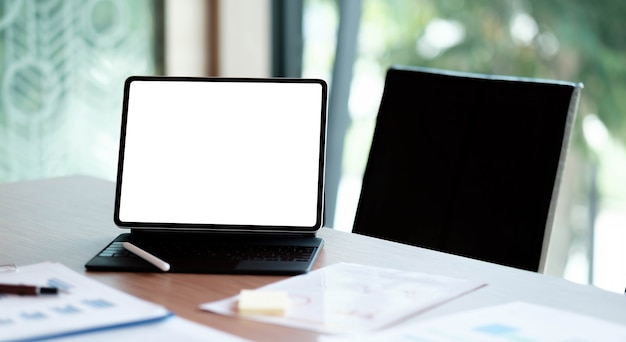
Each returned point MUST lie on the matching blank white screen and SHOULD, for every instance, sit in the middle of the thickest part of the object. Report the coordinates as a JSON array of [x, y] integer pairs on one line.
[[224, 153]]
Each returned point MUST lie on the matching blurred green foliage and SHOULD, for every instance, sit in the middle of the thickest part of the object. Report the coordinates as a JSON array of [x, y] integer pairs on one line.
[[576, 40]]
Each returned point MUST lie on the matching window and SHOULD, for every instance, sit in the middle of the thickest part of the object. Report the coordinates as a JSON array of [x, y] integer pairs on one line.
[[577, 41], [62, 72]]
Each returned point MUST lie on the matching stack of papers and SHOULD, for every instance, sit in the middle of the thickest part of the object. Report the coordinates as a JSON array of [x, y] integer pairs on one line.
[[352, 298], [86, 306]]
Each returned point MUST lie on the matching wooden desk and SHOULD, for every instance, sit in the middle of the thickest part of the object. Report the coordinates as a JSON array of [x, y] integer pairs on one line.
[[70, 219]]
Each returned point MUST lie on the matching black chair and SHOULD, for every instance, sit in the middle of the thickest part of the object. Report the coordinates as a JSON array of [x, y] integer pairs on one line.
[[467, 164]]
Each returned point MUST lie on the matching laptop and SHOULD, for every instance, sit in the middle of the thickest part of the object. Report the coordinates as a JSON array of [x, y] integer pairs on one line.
[[219, 175]]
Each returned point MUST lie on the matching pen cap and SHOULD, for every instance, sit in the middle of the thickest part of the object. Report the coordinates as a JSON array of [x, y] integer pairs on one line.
[[48, 290]]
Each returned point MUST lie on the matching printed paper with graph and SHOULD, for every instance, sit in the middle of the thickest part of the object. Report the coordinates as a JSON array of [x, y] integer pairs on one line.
[[350, 298], [83, 305]]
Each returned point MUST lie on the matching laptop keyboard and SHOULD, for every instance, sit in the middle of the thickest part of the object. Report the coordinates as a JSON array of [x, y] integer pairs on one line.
[[230, 253]]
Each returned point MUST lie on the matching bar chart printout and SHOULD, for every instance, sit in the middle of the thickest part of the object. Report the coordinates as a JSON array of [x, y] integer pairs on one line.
[[510, 322], [82, 304]]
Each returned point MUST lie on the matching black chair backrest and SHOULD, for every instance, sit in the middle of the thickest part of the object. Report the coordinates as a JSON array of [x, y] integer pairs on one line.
[[467, 164]]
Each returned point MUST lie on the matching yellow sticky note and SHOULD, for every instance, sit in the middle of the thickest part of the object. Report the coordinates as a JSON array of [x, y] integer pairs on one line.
[[259, 302]]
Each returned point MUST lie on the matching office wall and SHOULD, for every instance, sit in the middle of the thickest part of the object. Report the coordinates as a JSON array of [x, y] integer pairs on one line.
[[243, 37], [186, 37]]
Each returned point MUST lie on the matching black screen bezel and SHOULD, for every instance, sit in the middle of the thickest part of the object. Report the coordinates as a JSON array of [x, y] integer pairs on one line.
[[195, 227]]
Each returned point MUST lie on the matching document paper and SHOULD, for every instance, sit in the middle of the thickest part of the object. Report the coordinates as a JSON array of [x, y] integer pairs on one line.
[[511, 322], [82, 305], [349, 298], [85, 305]]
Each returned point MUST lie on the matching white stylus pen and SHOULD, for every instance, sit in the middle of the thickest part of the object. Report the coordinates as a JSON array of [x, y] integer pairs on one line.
[[147, 256]]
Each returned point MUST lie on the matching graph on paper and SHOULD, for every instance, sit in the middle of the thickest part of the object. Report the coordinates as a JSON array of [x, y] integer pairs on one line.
[[509, 322], [82, 305], [354, 298]]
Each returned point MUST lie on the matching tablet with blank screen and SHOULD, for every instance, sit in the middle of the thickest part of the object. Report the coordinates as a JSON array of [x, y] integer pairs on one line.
[[219, 160]]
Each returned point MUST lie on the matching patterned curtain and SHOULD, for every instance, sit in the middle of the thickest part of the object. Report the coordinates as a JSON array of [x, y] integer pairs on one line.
[[62, 68]]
